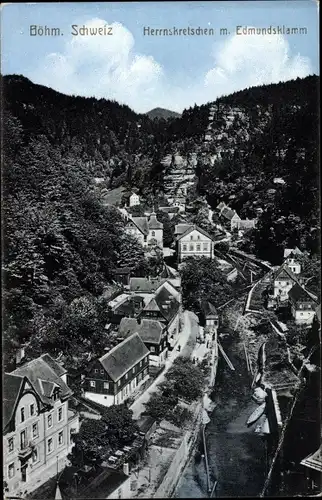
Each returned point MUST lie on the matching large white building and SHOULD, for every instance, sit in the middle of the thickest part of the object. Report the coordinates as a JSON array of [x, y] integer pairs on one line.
[[38, 425], [134, 200], [194, 242]]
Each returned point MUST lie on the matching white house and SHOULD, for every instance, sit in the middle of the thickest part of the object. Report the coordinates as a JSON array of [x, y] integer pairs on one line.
[[148, 230], [194, 242], [114, 377], [284, 280], [291, 258], [303, 305], [134, 200]]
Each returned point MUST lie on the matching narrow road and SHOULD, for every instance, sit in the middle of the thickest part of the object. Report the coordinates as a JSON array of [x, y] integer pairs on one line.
[[186, 341]]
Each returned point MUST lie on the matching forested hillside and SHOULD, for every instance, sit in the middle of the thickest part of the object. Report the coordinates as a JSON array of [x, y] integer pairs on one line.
[[61, 246]]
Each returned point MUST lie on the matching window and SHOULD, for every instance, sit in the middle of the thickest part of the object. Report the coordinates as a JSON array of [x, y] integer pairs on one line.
[[145, 372], [50, 445], [50, 420], [118, 383], [23, 440], [205, 246], [198, 237], [184, 248], [60, 414], [152, 349], [60, 438], [301, 314], [191, 238], [191, 248], [106, 385], [126, 376], [11, 470], [34, 455], [119, 493], [133, 370], [31, 409], [35, 430], [96, 370], [198, 248], [56, 395], [140, 364], [102, 372], [22, 414], [10, 445], [153, 233], [92, 383]]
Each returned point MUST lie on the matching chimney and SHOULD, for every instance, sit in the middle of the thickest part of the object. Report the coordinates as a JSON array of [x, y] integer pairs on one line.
[[20, 354], [126, 468]]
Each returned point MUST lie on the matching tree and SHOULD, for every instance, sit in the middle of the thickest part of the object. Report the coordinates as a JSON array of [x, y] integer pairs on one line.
[[184, 380]]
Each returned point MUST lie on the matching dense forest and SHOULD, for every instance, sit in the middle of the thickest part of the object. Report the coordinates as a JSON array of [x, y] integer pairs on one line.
[[61, 245]]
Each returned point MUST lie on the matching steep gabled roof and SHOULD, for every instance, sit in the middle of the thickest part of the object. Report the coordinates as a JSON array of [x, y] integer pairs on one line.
[[12, 385], [39, 371], [141, 223], [285, 272], [58, 368], [314, 461], [292, 251], [168, 272], [181, 228], [167, 303], [228, 213], [153, 222], [152, 306], [208, 308], [124, 356], [149, 330], [298, 292], [194, 228]]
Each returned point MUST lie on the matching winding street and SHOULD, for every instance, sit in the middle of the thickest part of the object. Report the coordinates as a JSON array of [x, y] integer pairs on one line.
[[186, 340]]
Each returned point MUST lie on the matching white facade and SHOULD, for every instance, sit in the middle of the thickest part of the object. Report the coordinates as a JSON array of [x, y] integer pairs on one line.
[[155, 235], [303, 316], [134, 200], [121, 396], [195, 244], [294, 265], [234, 222], [282, 288], [134, 231]]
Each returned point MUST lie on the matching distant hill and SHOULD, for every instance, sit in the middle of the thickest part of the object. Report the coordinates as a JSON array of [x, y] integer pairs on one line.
[[157, 113]]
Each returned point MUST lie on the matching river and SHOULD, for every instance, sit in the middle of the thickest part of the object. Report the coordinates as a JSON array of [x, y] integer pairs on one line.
[[236, 454]]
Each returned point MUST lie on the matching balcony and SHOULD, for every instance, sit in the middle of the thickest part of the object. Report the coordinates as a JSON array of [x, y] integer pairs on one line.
[[26, 451]]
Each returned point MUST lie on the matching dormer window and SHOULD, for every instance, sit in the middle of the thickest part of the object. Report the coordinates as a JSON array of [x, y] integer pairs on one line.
[[56, 394]]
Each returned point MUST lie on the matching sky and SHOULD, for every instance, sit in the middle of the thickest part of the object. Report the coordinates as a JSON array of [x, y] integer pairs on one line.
[[147, 71]]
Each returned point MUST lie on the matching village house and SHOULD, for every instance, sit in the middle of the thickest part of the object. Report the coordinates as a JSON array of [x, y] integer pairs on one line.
[[114, 377], [153, 333], [148, 287], [194, 242], [164, 307], [131, 307], [313, 465], [92, 482], [303, 305], [291, 258], [283, 280], [37, 424], [148, 230], [134, 200], [210, 316]]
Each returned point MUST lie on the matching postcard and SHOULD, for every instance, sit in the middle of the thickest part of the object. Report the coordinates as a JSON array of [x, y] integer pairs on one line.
[[161, 249]]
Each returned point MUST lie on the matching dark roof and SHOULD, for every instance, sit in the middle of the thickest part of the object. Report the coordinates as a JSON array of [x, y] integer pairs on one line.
[[298, 292], [285, 272], [145, 285], [153, 222], [194, 228], [228, 213], [12, 385], [124, 356], [167, 304], [208, 308], [57, 367], [40, 373], [169, 210], [149, 330], [129, 306], [168, 272], [181, 228], [96, 483], [145, 423], [141, 223]]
